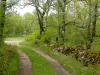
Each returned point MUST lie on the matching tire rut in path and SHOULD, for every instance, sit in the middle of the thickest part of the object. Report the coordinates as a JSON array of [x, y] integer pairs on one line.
[[26, 66], [60, 70]]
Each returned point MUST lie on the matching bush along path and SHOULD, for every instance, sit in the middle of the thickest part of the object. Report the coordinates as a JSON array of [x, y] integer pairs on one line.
[[60, 70], [26, 66]]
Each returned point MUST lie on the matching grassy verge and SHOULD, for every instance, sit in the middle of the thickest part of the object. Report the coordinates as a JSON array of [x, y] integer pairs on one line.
[[9, 61], [71, 64], [40, 65]]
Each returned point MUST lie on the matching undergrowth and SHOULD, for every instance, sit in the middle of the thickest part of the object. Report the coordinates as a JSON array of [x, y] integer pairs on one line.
[[9, 60]]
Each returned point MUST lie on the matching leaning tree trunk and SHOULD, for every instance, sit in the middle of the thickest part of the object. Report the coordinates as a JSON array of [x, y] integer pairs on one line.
[[40, 20], [2, 19], [88, 42]]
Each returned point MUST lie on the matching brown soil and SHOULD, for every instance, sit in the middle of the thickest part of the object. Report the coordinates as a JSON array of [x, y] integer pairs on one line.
[[26, 66], [60, 70]]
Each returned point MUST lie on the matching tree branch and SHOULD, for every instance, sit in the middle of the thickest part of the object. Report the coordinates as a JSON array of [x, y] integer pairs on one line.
[[74, 23]]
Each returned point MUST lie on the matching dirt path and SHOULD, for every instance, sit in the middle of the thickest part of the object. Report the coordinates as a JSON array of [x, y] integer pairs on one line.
[[12, 42], [26, 66], [57, 66]]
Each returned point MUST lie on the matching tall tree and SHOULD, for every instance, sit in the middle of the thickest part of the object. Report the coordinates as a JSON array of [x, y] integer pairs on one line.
[[59, 26], [94, 20], [63, 19], [62, 7], [2, 18], [42, 7], [88, 42]]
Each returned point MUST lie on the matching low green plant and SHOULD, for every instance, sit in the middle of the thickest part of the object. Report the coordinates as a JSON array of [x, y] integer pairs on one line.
[[9, 60], [33, 38]]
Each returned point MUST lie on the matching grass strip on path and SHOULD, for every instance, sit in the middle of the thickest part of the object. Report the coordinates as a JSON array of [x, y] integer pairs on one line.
[[40, 65]]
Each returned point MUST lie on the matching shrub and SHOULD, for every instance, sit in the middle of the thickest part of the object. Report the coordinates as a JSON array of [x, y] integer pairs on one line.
[[48, 36], [9, 60], [33, 38]]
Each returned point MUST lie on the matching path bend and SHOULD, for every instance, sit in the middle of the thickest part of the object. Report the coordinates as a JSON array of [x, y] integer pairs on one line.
[[26, 66]]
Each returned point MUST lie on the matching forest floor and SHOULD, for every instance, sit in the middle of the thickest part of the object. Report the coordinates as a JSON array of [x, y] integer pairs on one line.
[[26, 66]]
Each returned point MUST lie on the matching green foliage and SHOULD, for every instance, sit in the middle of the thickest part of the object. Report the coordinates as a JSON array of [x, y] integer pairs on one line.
[[49, 36], [9, 61], [52, 20], [16, 25], [75, 36], [33, 38], [89, 71], [30, 23], [13, 25], [96, 44]]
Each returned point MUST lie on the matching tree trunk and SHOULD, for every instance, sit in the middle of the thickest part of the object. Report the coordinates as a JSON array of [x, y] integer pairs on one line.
[[41, 26], [88, 42], [40, 19], [59, 28], [63, 22], [46, 19], [94, 20], [2, 19]]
